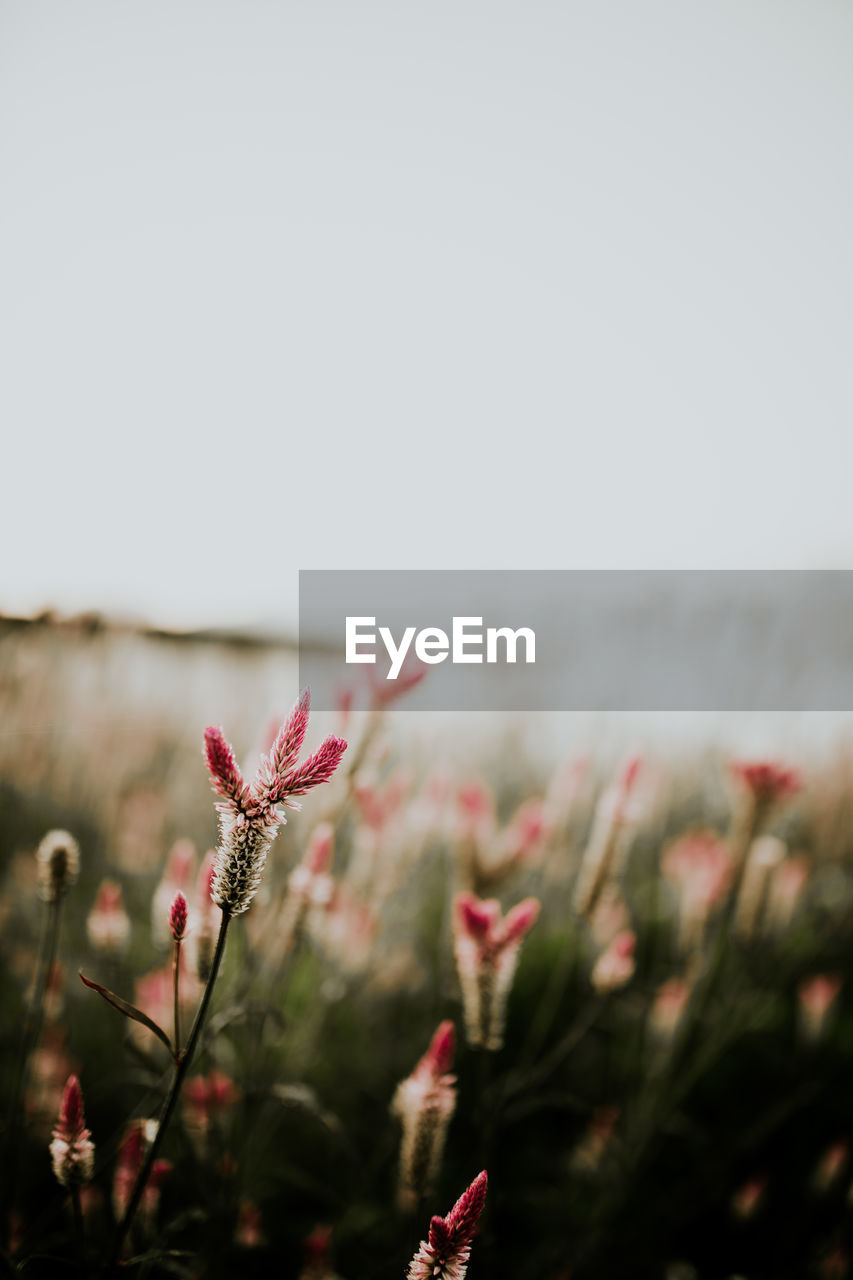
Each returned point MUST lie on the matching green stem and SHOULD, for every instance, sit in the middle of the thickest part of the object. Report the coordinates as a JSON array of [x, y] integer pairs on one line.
[[176, 1003], [182, 1063], [31, 1037], [79, 1229]]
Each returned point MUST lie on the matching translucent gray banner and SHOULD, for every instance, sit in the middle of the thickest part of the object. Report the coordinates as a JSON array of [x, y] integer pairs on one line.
[[581, 640]]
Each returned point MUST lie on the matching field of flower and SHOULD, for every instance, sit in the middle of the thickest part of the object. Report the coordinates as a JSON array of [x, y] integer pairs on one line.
[[621, 991]]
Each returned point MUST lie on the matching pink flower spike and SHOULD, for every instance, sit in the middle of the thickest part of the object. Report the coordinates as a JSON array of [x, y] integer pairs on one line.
[[521, 919], [318, 855], [444, 1256], [465, 1214], [72, 1152], [226, 778], [384, 692], [629, 773], [71, 1110], [108, 924], [288, 743], [128, 1164], [817, 996], [424, 1103], [442, 1048], [178, 917], [615, 966], [316, 770], [766, 779], [487, 950], [477, 917]]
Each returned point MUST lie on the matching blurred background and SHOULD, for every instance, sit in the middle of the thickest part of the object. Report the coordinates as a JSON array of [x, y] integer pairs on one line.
[[292, 285]]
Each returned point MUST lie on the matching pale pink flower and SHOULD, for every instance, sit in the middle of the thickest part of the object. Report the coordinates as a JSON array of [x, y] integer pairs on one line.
[[444, 1255], [699, 865], [527, 831], [72, 1152], [766, 780], [108, 924], [609, 916], [817, 996], [310, 883], [310, 886], [424, 1103], [615, 966], [178, 917], [475, 811], [498, 854], [131, 1155], [207, 1098], [616, 816], [563, 791], [473, 833], [487, 948], [668, 1009], [380, 804], [485, 854], [251, 814]]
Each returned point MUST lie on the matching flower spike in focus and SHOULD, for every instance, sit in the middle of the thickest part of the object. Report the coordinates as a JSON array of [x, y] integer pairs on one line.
[[444, 1256], [250, 814]]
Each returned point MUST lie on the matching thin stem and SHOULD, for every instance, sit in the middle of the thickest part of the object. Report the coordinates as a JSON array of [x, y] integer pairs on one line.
[[176, 1002], [182, 1063], [79, 1229], [32, 1035]]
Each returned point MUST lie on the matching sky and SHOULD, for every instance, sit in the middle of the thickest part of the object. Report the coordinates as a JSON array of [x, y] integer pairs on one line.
[[306, 284]]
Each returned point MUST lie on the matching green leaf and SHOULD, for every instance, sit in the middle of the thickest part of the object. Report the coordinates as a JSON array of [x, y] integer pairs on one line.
[[129, 1010]]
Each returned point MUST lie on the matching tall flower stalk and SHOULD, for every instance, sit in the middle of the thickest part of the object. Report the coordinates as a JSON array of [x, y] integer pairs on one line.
[[250, 815], [177, 928], [58, 865]]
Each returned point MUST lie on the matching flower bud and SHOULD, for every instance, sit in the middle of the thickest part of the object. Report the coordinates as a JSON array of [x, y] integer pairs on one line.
[[72, 1151], [178, 917]]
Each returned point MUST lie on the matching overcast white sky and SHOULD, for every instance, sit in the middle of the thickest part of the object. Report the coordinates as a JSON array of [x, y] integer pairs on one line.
[[312, 285]]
